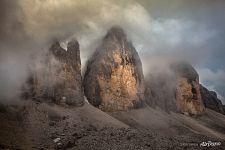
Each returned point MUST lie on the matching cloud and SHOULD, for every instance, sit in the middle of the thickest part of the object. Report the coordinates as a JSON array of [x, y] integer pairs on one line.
[[213, 80], [207, 75], [89, 20], [27, 26], [11, 22], [41, 21]]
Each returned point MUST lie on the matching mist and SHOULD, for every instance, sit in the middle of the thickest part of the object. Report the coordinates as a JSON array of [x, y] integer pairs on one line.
[[29, 26]]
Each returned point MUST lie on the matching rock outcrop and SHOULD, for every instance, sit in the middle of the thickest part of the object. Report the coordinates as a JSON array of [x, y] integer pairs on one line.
[[211, 101], [114, 78], [175, 89], [57, 77], [188, 95]]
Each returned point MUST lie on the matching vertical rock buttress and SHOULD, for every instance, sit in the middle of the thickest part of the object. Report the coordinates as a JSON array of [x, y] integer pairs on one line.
[[177, 90], [57, 77], [114, 78], [188, 95]]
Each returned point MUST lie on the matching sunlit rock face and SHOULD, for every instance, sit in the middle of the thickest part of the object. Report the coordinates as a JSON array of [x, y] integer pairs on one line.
[[188, 95], [114, 78], [210, 100], [57, 77]]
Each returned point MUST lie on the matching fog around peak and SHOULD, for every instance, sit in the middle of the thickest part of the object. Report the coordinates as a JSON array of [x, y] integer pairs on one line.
[[161, 31]]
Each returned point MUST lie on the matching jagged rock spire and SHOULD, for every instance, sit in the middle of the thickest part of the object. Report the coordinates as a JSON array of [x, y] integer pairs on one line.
[[58, 79]]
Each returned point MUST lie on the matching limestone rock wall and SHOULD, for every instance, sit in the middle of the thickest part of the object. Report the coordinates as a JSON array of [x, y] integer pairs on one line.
[[188, 94], [57, 77], [114, 77], [175, 88]]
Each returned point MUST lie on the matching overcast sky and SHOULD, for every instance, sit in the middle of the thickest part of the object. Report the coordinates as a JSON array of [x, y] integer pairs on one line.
[[200, 31], [191, 30]]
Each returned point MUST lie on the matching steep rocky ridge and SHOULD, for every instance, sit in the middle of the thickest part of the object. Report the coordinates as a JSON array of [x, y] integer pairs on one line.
[[210, 100], [114, 77]]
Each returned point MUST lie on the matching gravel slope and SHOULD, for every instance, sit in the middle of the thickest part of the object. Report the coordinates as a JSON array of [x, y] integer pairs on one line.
[[47, 126]]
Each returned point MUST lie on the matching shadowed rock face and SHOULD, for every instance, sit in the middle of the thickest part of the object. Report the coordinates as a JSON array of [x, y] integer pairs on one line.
[[188, 96], [58, 77], [210, 100], [176, 89], [114, 77]]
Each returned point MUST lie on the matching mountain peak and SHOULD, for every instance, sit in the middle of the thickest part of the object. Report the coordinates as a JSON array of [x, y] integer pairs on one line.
[[73, 43], [116, 32], [114, 78], [184, 69]]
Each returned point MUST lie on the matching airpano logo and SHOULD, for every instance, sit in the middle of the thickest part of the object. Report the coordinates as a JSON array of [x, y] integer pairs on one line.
[[202, 144], [210, 143]]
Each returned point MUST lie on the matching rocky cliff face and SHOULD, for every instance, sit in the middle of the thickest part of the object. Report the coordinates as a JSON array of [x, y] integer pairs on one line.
[[175, 90], [57, 77], [114, 78], [188, 96], [210, 100]]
